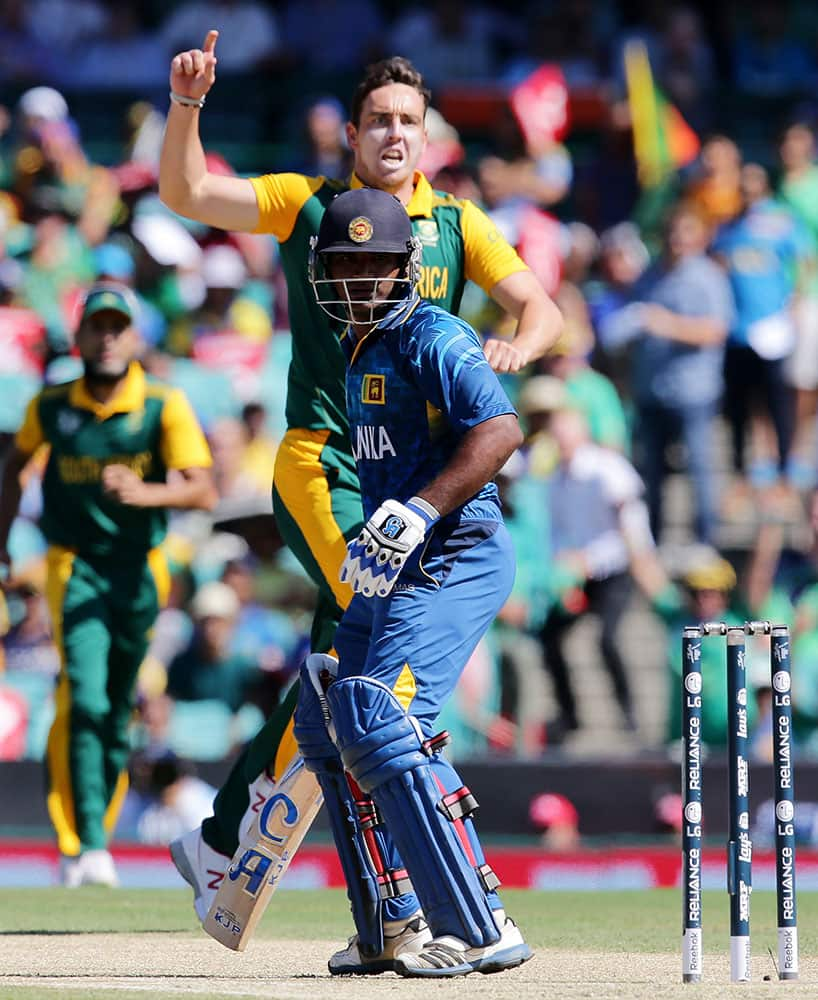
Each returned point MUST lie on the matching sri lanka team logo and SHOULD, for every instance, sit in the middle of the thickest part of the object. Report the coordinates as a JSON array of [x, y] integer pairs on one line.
[[373, 389], [360, 229]]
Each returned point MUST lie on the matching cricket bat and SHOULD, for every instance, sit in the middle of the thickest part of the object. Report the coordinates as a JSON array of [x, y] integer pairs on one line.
[[263, 857]]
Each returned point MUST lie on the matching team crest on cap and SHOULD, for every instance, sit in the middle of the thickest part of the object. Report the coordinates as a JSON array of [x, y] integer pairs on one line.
[[360, 229]]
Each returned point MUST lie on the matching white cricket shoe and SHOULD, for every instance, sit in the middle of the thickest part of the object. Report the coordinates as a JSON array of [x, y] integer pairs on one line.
[[97, 868], [451, 956], [201, 867], [399, 936], [70, 871]]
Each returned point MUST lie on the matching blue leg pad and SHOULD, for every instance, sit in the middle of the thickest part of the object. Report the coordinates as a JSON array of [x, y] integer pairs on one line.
[[321, 757], [383, 748]]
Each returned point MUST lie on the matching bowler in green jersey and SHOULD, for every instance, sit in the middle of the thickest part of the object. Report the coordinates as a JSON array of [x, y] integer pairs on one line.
[[316, 494]]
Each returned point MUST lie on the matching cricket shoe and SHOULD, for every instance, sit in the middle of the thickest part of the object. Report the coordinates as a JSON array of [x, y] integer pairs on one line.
[[201, 867], [71, 871], [97, 868], [258, 792], [399, 937], [451, 956]]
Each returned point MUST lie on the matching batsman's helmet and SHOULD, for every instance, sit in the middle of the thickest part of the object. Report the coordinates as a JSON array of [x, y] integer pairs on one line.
[[364, 220]]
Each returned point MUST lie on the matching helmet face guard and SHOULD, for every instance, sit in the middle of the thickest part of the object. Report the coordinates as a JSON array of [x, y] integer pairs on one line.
[[358, 300]]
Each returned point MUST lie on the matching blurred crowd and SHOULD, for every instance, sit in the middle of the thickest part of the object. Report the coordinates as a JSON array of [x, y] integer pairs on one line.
[[670, 457]]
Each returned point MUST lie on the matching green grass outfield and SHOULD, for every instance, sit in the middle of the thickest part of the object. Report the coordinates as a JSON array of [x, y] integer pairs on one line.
[[640, 921], [608, 923]]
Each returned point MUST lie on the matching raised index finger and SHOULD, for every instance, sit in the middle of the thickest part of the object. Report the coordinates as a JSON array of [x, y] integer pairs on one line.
[[210, 41]]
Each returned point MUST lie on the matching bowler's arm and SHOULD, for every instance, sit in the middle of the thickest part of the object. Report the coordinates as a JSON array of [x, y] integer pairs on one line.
[[482, 452], [539, 322], [185, 184], [184, 489]]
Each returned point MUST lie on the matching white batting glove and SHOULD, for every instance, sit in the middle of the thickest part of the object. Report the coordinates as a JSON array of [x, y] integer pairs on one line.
[[375, 558]]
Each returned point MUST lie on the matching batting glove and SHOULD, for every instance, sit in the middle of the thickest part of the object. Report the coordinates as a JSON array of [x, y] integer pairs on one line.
[[375, 558]]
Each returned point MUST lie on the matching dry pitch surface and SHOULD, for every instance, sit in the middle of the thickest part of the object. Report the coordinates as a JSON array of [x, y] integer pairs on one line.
[[48, 963]]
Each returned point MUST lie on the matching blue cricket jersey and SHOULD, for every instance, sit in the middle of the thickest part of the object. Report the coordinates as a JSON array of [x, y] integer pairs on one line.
[[414, 387], [763, 248]]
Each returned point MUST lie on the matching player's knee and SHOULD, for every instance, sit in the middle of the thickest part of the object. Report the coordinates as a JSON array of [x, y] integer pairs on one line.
[[377, 739]]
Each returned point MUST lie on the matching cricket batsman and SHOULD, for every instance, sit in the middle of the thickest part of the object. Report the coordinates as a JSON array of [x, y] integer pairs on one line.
[[430, 569]]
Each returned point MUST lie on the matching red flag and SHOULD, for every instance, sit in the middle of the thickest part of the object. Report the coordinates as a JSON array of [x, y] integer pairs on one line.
[[540, 105]]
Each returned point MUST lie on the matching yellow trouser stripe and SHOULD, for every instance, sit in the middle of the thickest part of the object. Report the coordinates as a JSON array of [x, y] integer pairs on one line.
[[302, 485], [158, 566], [60, 801], [287, 749]]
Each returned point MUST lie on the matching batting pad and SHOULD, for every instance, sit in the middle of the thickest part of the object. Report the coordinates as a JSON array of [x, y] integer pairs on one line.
[[321, 757], [382, 748]]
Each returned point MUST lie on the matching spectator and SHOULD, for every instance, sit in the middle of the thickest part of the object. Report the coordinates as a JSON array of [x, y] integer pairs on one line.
[[763, 250], [686, 309], [224, 273], [52, 171], [165, 800], [623, 258], [539, 396], [556, 820], [208, 668], [522, 695], [714, 187], [783, 585], [234, 482], [599, 539], [260, 448], [589, 390], [798, 188], [518, 174], [708, 594]]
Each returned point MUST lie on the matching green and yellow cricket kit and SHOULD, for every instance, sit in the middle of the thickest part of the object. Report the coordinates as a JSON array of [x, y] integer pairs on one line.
[[106, 580]]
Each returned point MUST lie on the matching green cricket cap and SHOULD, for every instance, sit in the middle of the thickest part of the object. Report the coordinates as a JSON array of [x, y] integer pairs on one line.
[[116, 298]]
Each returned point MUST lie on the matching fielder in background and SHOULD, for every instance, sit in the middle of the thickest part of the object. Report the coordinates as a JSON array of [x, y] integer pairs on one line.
[[123, 449], [430, 569], [316, 495]]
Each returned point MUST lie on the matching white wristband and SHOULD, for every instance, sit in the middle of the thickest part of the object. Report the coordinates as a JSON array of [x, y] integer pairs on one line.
[[188, 102]]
